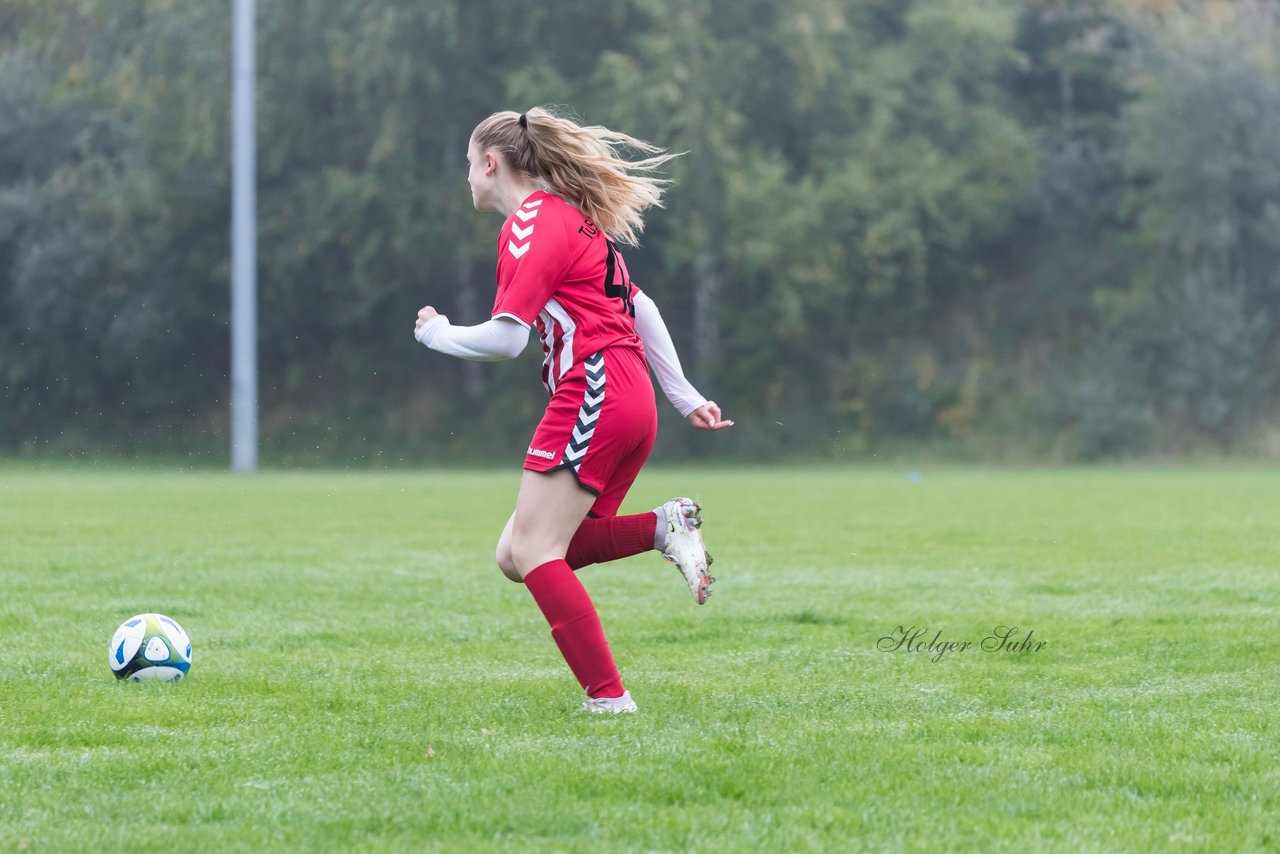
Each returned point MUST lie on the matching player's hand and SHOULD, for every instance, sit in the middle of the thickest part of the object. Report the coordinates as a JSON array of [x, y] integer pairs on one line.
[[425, 315], [707, 417]]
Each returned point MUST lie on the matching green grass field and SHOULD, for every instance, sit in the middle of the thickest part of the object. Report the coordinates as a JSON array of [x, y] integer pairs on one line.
[[365, 680]]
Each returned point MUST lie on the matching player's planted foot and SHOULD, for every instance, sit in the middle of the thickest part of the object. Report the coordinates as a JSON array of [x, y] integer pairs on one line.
[[610, 705], [680, 542]]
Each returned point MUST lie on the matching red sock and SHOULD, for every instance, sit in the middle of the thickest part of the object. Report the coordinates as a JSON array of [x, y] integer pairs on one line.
[[576, 628], [611, 538]]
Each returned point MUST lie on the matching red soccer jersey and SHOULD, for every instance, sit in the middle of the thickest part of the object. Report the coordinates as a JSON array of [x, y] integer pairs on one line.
[[557, 271]]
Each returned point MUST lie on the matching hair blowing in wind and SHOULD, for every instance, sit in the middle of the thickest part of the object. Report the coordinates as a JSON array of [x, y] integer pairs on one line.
[[582, 165]]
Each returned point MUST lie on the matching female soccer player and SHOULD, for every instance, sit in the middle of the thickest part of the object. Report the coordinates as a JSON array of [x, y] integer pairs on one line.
[[569, 199]]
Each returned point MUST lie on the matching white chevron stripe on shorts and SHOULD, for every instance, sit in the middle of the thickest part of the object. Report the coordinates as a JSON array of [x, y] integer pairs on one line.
[[589, 413]]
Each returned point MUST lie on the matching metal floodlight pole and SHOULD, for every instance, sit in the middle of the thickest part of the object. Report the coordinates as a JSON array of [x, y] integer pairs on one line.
[[244, 254]]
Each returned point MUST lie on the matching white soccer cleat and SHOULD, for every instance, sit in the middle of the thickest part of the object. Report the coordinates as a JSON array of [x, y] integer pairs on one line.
[[623, 705], [684, 548]]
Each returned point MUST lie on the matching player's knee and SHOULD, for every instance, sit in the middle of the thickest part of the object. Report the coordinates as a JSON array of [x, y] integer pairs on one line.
[[528, 553], [515, 561], [506, 562]]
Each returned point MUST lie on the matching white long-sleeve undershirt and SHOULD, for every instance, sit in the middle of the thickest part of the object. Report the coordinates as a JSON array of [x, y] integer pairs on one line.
[[501, 338], [494, 340], [661, 352]]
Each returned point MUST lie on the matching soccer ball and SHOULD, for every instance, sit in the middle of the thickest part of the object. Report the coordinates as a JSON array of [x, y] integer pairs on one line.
[[150, 646]]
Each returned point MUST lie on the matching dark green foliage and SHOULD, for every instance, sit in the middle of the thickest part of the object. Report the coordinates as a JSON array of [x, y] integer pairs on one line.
[[1022, 226], [1195, 327]]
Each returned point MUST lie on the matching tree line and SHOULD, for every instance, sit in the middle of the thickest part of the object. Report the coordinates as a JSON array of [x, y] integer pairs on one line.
[[1014, 229]]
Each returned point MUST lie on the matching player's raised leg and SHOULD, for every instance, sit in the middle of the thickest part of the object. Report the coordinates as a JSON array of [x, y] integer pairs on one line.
[[597, 540], [611, 538], [674, 529]]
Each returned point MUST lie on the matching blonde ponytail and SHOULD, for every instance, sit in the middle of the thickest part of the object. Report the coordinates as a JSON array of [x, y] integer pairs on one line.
[[581, 164]]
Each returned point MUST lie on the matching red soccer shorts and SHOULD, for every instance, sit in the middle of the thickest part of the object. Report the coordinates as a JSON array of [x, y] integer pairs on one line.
[[600, 424]]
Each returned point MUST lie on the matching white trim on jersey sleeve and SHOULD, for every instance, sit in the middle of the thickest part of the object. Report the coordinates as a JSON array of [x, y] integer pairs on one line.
[[661, 352], [491, 341], [511, 316]]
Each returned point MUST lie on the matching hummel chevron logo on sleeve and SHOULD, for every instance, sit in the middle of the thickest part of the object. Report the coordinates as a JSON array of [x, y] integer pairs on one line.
[[526, 212]]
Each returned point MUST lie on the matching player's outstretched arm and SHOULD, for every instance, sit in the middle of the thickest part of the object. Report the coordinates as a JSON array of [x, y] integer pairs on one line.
[[494, 340], [701, 413]]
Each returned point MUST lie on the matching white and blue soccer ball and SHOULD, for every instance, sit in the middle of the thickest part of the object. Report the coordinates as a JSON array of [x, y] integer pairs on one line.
[[150, 646]]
